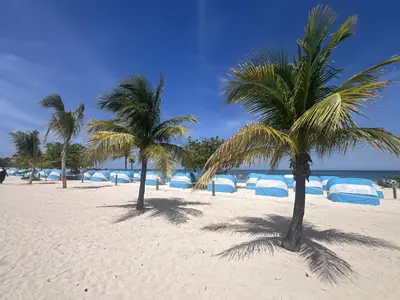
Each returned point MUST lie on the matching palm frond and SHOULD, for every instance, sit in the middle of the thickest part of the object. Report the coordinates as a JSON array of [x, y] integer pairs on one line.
[[166, 133], [53, 101], [254, 141], [369, 76], [64, 124], [161, 159], [262, 89], [345, 30], [159, 89], [178, 153], [328, 115], [175, 121], [114, 125], [27, 145], [78, 115], [108, 144], [344, 139], [132, 158]]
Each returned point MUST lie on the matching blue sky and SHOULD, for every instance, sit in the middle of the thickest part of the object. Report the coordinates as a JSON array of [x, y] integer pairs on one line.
[[80, 49]]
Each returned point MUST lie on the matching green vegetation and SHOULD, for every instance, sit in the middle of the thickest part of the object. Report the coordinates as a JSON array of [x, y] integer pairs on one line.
[[137, 126], [301, 108], [63, 124], [52, 157], [27, 145], [6, 162], [200, 151]]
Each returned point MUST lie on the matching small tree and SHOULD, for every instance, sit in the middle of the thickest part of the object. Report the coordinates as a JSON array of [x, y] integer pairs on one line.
[[27, 145], [138, 126]]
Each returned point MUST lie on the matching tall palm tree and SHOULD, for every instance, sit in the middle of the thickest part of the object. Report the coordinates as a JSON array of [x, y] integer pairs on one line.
[[300, 108], [27, 145], [137, 126], [63, 124], [132, 160]]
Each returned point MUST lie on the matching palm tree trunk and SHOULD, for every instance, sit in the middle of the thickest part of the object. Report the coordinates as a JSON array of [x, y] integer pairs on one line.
[[64, 164], [32, 175], [292, 241], [131, 166], [142, 187], [126, 162]]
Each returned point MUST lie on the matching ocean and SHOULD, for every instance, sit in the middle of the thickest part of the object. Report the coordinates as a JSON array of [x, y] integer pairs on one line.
[[372, 175], [368, 174]]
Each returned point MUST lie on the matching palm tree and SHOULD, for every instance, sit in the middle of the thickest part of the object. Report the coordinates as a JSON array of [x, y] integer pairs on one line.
[[27, 145], [63, 124], [300, 109], [137, 125], [132, 160]]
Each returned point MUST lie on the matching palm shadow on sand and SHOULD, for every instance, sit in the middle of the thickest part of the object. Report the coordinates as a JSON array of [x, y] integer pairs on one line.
[[92, 187], [174, 210], [270, 230]]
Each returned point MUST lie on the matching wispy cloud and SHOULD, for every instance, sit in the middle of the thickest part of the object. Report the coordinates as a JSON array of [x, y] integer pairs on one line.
[[9, 111], [37, 60]]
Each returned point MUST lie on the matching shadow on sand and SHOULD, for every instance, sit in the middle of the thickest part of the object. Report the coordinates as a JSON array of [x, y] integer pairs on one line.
[[90, 187], [174, 210], [323, 262]]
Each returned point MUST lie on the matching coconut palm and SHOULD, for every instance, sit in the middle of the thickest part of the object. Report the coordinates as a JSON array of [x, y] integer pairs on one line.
[[132, 160], [63, 124], [27, 145], [300, 108], [137, 126]]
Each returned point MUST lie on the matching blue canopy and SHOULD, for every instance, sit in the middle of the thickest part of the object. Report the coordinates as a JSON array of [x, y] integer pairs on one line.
[[352, 190], [224, 183], [252, 180], [101, 176], [324, 181], [182, 180], [272, 185]]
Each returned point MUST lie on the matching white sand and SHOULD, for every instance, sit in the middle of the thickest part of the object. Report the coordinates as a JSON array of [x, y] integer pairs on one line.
[[56, 243]]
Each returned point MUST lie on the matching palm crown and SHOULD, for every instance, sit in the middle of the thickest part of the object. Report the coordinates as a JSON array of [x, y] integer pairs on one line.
[[299, 108], [63, 124], [137, 125]]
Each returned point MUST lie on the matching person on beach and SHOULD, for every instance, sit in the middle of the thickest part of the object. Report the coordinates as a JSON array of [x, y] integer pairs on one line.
[[3, 173]]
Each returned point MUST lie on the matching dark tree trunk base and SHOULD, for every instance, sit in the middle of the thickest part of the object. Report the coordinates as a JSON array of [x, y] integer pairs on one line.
[[293, 238], [142, 187]]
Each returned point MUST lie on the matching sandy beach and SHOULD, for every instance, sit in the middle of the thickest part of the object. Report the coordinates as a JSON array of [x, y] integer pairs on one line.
[[86, 243]]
